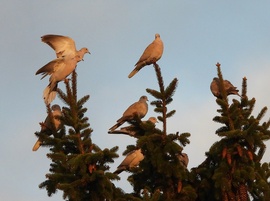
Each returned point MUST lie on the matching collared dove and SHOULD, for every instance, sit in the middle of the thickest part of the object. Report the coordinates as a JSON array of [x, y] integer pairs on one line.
[[183, 159], [229, 88], [128, 129], [151, 55], [64, 65], [132, 160], [138, 109], [46, 127]]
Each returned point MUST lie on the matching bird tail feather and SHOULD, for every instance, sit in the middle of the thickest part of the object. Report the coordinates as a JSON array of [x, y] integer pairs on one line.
[[36, 145], [49, 95], [116, 125], [119, 170], [133, 73]]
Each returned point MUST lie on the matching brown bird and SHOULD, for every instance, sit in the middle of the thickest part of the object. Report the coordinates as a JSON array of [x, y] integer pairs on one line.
[[229, 88], [151, 55], [62, 66], [183, 159], [128, 129], [132, 160], [46, 127], [138, 109]]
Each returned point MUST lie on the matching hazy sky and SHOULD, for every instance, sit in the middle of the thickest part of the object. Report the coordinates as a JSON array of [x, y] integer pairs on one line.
[[196, 35]]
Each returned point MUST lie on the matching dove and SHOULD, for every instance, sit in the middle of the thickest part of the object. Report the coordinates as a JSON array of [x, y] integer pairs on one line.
[[46, 127], [229, 88], [128, 129], [62, 66], [151, 55], [132, 159], [137, 109], [183, 159]]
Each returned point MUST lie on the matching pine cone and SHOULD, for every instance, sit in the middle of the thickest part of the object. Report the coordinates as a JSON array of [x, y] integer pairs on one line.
[[243, 192], [229, 158], [250, 155], [224, 196], [224, 152], [240, 151], [179, 186]]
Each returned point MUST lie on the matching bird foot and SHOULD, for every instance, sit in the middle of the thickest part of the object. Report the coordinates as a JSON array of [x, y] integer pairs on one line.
[[66, 80], [43, 126]]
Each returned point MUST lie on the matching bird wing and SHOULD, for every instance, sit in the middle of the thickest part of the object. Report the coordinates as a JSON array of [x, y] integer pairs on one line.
[[62, 45], [139, 108], [129, 158], [147, 52], [51, 67]]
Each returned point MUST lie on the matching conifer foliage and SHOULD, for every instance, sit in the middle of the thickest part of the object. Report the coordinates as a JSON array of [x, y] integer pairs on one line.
[[160, 175], [79, 167], [233, 169]]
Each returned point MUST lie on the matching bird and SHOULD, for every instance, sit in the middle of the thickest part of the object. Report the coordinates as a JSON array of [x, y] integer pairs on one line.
[[128, 130], [132, 160], [229, 88], [151, 55], [137, 109], [62, 66], [183, 159], [47, 126]]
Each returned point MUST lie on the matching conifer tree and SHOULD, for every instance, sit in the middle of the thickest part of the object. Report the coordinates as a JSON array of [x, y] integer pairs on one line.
[[79, 167], [160, 175], [233, 168]]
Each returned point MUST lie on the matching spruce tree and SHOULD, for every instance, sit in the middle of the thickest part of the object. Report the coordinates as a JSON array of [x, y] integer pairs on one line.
[[79, 167], [160, 175], [233, 168]]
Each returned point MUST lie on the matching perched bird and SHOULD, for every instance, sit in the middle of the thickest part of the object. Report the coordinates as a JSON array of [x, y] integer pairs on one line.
[[62, 66], [132, 160], [229, 88], [46, 127], [152, 120], [128, 129], [138, 109], [183, 158], [151, 55]]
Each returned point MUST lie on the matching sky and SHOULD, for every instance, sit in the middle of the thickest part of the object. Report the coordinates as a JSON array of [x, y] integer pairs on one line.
[[196, 35]]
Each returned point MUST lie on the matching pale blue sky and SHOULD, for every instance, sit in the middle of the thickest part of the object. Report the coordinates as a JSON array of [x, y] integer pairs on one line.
[[196, 35]]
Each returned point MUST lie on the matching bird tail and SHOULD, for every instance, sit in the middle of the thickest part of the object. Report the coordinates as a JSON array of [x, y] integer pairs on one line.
[[119, 123], [119, 170], [36, 145], [49, 94], [133, 73]]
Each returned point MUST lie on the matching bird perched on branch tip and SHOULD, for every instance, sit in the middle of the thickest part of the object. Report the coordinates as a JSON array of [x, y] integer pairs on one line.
[[137, 109], [229, 88], [151, 55]]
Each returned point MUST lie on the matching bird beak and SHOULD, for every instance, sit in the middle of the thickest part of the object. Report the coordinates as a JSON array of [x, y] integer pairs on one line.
[[89, 52]]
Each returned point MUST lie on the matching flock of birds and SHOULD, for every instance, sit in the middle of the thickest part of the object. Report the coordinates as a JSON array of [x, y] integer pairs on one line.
[[67, 58]]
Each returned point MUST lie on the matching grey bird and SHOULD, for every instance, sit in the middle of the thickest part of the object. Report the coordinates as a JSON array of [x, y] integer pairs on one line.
[[132, 160], [183, 159], [151, 55], [138, 109], [47, 126], [62, 66], [229, 88]]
